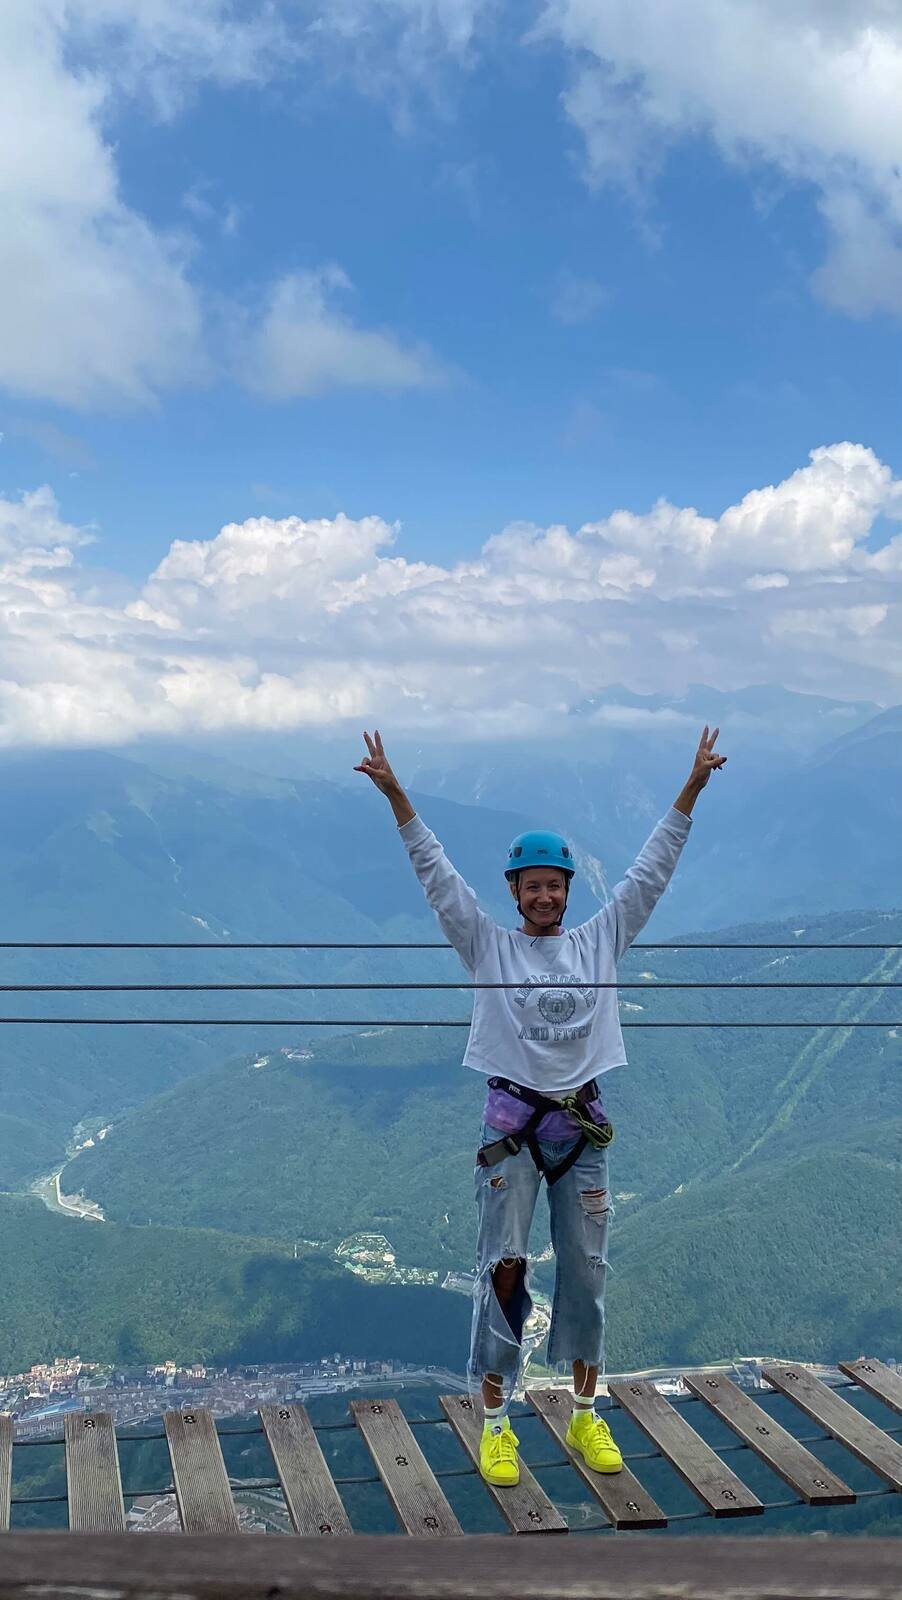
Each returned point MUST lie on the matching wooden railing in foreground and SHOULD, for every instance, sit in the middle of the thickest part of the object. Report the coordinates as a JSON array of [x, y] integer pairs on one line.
[[59, 1566]]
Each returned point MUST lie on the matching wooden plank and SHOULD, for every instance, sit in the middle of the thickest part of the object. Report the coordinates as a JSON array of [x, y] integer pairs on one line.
[[717, 1487], [525, 1506], [201, 1482], [6, 1467], [865, 1440], [621, 1496], [416, 1498], [55, 1566], [877, 1378], [783, 1454], [310, 1495], [92, 1473]]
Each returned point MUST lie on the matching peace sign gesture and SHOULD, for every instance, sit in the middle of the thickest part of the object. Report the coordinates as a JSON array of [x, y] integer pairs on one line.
[[376, 763], [377, 767], [706, 761]]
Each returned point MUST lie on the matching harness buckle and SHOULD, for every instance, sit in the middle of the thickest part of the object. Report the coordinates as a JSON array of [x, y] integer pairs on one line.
[[491, 1154]]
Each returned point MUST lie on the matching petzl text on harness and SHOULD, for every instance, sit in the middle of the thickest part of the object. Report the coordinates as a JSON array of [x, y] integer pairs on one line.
[[598, 1134]]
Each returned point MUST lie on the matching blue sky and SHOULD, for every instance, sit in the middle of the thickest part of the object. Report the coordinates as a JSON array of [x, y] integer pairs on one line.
[[415, 264]]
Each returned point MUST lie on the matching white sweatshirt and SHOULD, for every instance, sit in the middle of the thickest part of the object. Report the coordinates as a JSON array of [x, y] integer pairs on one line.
[[549, 1031]]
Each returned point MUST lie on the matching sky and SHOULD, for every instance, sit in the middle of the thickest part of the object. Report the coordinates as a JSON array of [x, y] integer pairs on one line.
[[440, 362]]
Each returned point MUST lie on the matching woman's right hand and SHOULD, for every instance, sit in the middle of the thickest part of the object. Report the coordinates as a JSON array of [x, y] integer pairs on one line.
[[376, 765]]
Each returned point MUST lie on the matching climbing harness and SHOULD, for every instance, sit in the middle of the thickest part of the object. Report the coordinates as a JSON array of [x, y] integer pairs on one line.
[[597, 1134]]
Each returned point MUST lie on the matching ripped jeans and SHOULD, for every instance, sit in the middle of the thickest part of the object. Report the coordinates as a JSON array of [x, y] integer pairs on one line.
[[506, 1199]]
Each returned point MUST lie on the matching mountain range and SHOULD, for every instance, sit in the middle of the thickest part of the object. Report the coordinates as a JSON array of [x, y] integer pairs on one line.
[[236, 1128]]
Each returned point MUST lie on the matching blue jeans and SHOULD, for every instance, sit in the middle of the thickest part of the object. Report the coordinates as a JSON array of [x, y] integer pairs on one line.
[[580, 1209]]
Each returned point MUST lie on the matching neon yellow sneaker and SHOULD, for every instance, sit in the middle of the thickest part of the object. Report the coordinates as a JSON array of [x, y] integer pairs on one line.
[[592, 1438], [498, 1455]]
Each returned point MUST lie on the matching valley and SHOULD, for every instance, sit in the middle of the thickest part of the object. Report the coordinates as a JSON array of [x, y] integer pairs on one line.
[[351, 1145]]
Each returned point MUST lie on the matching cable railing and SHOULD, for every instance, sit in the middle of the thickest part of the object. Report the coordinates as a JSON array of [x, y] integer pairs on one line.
[[415, 944], [316, 988], [647, 985]]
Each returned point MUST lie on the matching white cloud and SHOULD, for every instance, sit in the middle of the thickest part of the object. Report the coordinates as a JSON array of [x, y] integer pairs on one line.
[[395, 50], [814, 518], [93, 303], [811, 89], [767, 580], [305, 344], [98, 308], [280, 623], [224, 216], [676, 642], [577, 299], [863, 269], [889, 558], [162, 49], [420, 24], [809, 522], [861, 621]]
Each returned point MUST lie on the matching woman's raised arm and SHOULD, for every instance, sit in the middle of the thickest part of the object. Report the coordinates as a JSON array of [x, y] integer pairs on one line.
[[450, 896]]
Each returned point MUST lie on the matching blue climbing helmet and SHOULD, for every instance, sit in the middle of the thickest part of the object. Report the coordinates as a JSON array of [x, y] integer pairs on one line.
[[539, 849]]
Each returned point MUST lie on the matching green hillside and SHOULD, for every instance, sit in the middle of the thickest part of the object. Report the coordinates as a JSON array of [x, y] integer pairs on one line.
[[130, 1295], [802, 1260], [755, 1171], [313, 1149], [380, 1130]]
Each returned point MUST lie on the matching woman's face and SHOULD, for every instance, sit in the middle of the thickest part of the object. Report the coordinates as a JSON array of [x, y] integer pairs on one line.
[[542, 894]]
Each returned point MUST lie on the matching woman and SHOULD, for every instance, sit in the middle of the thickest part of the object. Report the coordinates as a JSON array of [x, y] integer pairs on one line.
[[540, 1036]]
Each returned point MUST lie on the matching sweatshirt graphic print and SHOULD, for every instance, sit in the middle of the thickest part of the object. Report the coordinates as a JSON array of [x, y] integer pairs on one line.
[[550, 1030]]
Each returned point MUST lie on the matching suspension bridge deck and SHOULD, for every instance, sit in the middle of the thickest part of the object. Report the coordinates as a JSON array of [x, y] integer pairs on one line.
[[205, 1493]]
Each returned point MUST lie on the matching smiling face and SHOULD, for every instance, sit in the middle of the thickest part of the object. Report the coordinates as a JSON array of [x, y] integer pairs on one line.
[[542, 895]]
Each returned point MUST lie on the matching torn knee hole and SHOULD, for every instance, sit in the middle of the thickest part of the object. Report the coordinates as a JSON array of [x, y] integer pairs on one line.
[[507, 1274], [498, 1183], [595, 1202]]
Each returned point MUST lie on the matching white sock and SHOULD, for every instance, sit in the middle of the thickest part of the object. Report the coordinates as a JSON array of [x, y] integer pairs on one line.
[[494, 1416], [584, 1402]]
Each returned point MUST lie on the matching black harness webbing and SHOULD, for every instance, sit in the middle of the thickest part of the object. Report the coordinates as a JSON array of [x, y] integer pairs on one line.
[[542, 1106]]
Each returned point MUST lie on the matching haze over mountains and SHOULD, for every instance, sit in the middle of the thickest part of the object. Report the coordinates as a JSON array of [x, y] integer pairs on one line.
[[157, 842], [213, 1126]]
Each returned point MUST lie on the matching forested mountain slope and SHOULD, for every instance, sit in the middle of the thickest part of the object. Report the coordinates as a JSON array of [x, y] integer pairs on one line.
[[134, 1295], [722, 1135]]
